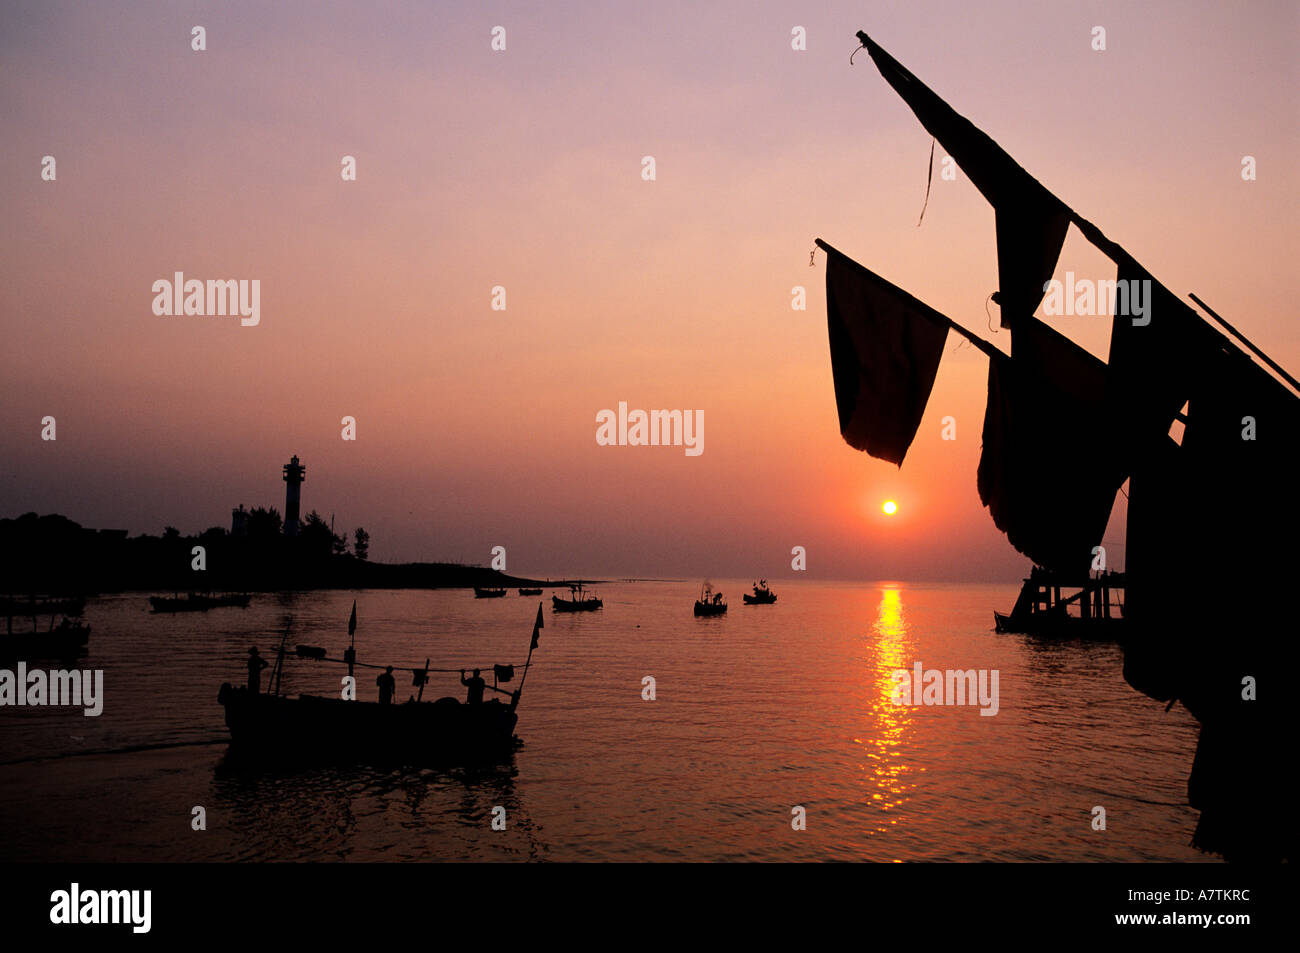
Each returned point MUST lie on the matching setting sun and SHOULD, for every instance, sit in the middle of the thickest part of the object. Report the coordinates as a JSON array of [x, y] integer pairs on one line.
[[890, 507]]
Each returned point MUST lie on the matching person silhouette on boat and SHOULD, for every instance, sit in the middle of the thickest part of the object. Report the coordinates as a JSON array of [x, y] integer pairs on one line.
[[387, 686], [474, 696], [255, 665]]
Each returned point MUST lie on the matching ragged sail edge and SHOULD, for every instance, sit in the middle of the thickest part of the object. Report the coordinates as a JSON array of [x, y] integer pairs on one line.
[[1031, 220]]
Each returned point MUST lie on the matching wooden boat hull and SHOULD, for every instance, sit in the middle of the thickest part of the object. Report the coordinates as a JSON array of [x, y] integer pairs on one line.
[[58, 643], [709, 608], [488, 593], [317, 728], [759, 600], [569, 605], [530, 592]]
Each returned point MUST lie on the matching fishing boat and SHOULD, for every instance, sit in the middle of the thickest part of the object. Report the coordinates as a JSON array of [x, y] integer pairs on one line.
[[530, 592], [1185, 409], [482, 593], [578, 601], [67, 640], [274, 726], [710, 602], [762, 595], [199, 602]]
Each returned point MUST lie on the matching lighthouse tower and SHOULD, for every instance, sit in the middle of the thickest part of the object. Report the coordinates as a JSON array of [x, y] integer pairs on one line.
[[294, 474]]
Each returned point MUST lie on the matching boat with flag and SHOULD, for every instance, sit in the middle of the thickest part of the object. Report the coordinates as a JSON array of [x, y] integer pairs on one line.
[[579, 601], [345, 729], [1183, 410], [761, 596]]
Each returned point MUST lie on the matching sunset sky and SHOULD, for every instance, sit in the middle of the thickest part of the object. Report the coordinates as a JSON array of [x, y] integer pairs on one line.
[[522, 168]]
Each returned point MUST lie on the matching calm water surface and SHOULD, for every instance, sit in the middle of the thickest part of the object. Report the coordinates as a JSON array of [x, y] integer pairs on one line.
[[759, 711]]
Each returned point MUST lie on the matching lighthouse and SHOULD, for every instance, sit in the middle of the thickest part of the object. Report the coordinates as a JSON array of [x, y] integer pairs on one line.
[[294, 474]]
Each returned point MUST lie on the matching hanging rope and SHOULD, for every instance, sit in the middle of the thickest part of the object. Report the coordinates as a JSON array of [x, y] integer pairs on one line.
[[929, 177], [989, 315]]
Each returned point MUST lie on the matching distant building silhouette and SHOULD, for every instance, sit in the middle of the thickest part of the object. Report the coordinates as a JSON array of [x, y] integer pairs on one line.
[[294, 474]]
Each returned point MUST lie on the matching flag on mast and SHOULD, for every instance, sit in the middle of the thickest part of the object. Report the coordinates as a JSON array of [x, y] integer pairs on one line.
[[537, 627], [352, 622]]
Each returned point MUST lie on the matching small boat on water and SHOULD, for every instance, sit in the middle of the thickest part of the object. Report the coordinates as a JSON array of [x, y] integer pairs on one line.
[[488, 593], [710, 602], [348, 731], [1094, 611], [763, 596], [530, 592], [67, 640], [199, 602], [578, 601]]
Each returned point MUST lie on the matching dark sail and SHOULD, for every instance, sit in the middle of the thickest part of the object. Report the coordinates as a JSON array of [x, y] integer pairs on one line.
[[885, 351], [1031, 221], [1047, 483]]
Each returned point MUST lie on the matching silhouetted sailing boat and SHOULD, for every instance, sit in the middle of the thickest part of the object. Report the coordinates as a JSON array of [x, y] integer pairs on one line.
[[1206, 622]]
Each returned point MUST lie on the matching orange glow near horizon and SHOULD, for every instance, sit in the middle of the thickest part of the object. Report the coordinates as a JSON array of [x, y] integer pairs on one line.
[[523, 169]]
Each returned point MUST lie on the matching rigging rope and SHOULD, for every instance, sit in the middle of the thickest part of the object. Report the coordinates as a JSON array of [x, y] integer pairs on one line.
[[399, 668], [929, 177]]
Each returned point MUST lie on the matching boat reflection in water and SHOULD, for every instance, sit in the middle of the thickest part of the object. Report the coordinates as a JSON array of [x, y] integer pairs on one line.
[[888, 727]]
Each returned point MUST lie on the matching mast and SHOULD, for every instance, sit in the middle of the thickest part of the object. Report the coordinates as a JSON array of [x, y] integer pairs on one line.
[[537, 627]]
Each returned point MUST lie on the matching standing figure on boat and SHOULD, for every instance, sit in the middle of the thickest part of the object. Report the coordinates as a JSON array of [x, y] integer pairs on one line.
[[476, 686], [255, 665], [387, 686]]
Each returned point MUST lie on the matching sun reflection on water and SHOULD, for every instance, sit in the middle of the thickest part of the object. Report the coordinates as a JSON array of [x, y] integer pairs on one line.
[[888, 725]]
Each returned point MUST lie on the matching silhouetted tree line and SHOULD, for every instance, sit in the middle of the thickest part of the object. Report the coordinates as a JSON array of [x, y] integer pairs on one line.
[[52, 555]]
